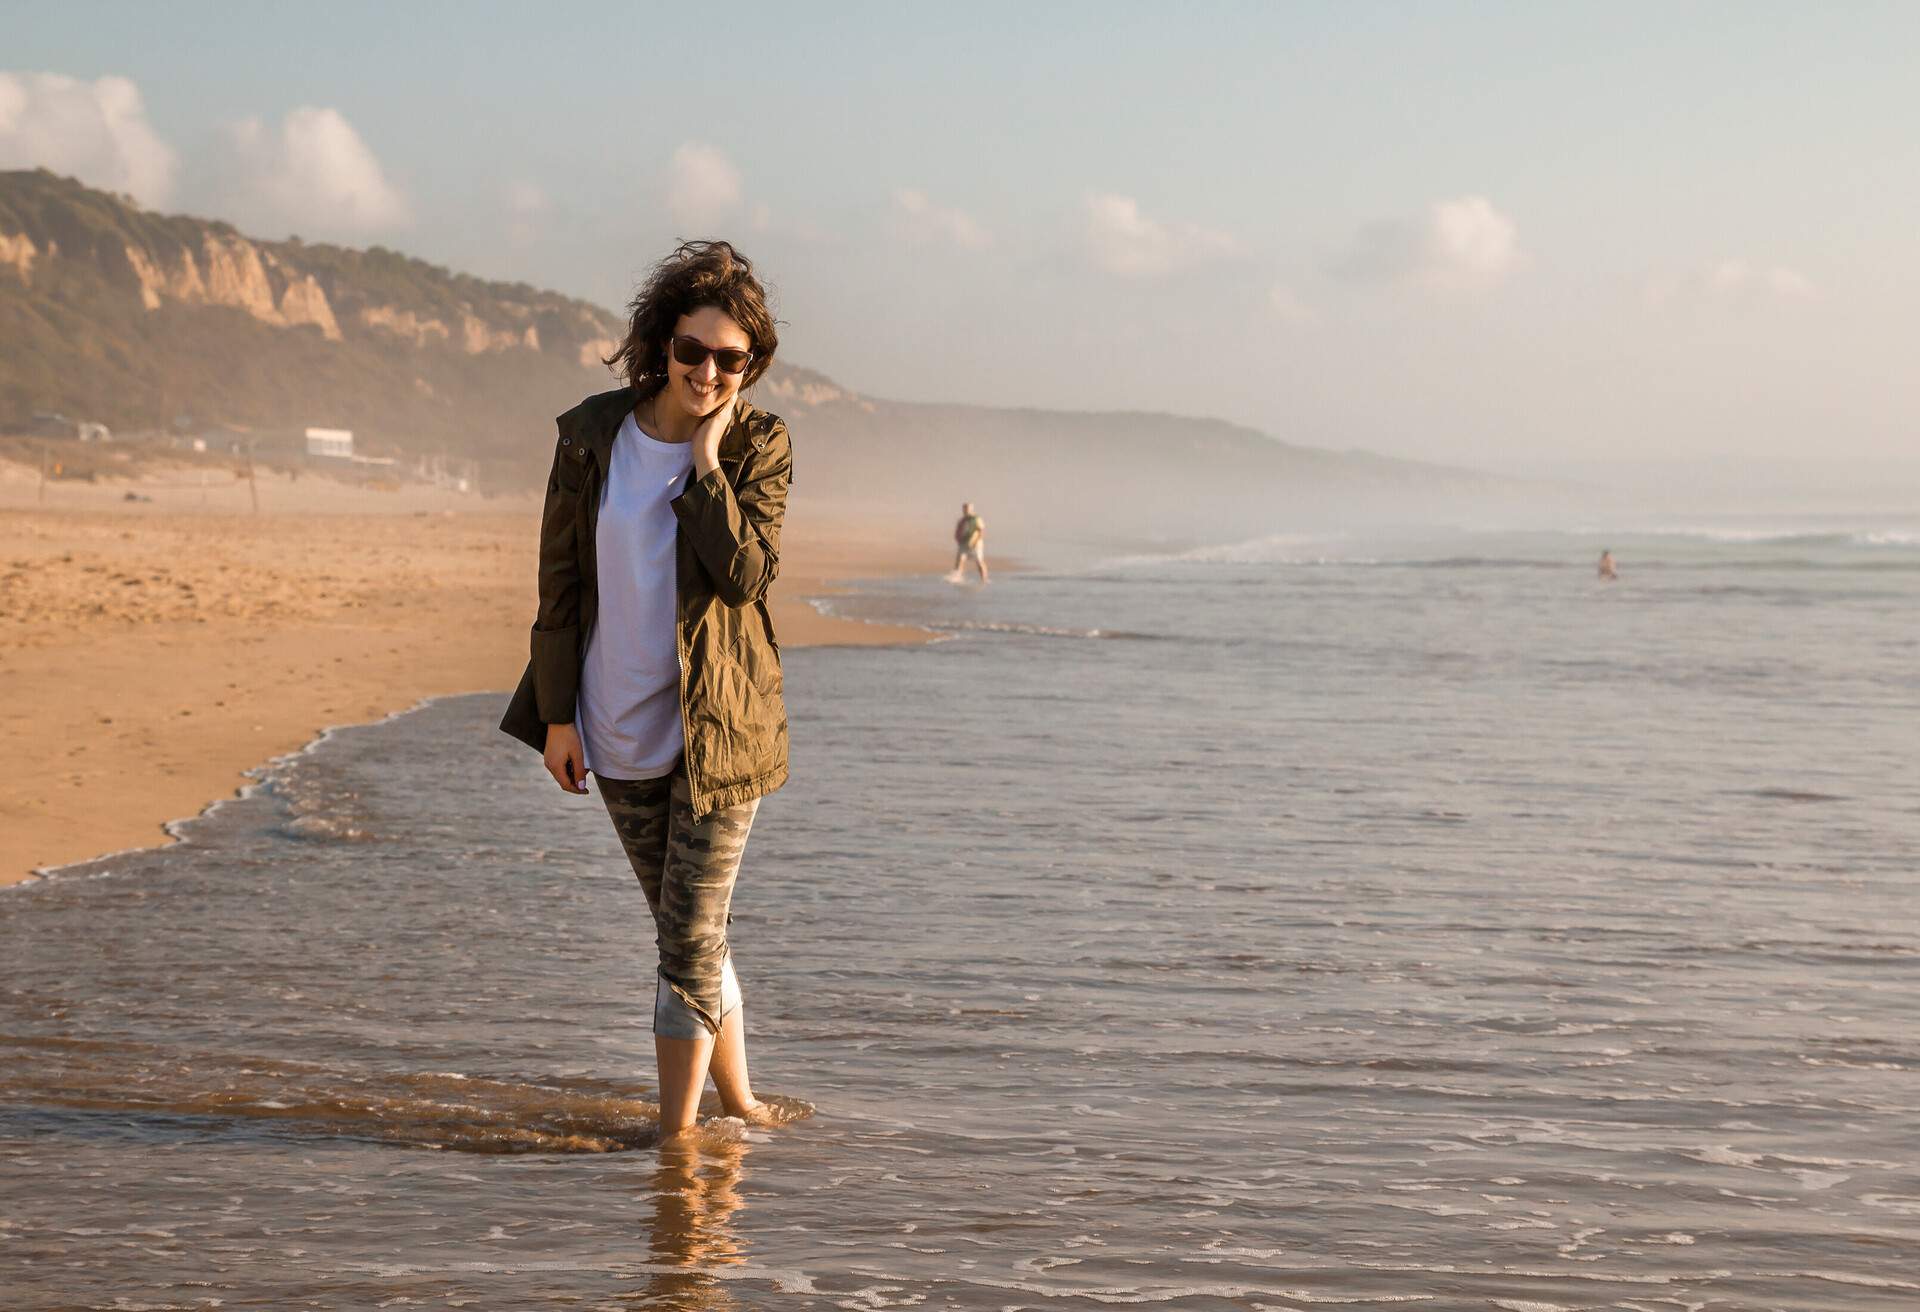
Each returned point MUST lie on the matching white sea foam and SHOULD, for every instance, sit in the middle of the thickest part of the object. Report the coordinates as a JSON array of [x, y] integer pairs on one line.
[[1494, 547], [1275, 548], [1853, 1278], [1781, 536], [178, 831], [1030, 630]]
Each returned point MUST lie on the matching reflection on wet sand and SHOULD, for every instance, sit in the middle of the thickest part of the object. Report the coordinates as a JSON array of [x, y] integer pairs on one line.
[[695, 1193]]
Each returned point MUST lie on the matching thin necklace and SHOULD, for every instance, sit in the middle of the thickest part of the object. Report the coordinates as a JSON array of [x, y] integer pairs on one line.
[[653, 428]]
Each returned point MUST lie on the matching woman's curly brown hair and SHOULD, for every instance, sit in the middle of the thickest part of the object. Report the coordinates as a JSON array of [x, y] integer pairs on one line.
[[698, 274]]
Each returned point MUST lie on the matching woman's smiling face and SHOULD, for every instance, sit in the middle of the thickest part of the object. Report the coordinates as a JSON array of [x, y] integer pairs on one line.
[[703, 388]]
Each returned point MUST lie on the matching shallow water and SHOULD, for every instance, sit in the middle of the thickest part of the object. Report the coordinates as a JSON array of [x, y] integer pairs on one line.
[[1355, 923]]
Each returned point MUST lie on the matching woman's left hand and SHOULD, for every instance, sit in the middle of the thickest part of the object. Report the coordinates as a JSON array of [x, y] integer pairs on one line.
[[706, 439]]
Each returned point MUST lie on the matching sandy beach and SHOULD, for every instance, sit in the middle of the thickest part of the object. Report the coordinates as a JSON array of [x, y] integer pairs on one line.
[[153, 651]]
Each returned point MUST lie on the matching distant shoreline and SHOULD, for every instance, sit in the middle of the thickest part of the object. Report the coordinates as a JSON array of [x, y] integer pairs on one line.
[[152, 654]]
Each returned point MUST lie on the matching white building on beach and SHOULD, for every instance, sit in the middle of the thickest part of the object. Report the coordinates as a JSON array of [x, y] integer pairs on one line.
[[334, 442]]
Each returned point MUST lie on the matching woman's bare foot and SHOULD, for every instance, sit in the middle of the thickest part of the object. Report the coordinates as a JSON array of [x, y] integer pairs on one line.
[[683, 1137], [766, 1113], [756, 1113]]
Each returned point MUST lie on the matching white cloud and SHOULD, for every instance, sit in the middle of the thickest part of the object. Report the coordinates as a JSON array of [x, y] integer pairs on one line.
[[314, 174], [1123, 241], [919, 219], [703, 186], [1459, 243], [95, 131], [1288, 307], [1733, 282]]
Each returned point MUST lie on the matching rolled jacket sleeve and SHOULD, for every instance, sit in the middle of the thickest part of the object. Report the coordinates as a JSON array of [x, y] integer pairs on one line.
[[735, 531]]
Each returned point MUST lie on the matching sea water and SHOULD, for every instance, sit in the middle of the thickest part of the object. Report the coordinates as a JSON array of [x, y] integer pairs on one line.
[[1413, 920]]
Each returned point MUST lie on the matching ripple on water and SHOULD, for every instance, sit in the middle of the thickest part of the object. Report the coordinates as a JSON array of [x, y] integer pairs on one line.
[[1385, 950]]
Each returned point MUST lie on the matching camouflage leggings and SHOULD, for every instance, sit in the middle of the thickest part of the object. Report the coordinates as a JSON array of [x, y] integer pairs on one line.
[[686, 868]]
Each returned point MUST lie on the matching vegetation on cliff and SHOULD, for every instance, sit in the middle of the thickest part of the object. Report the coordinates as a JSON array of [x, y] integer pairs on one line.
[[166, 324], [157, 323]]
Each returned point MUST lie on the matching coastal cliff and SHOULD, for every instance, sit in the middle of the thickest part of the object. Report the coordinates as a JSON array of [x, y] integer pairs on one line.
[[166, 324]]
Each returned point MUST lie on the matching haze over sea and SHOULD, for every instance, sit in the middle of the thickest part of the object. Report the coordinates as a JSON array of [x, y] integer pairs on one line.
[[1380, 920]]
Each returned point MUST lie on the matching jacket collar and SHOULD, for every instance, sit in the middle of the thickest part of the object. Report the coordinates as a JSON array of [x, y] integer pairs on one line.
[[596, 421]]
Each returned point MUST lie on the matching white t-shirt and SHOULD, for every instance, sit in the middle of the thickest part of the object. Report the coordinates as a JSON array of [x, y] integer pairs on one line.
[[629, 706]]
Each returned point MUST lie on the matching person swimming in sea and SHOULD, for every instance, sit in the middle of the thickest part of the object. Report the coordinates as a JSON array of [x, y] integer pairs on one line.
[[1608, 572]]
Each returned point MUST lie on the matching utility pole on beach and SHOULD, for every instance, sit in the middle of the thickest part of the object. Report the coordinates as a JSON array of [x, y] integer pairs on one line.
[[253, 490]]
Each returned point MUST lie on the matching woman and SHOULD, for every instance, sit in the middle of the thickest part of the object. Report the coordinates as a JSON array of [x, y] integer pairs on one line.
[[654, 663]]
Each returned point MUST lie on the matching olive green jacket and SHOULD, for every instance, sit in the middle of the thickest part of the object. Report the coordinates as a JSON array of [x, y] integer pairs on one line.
[[731, 706]]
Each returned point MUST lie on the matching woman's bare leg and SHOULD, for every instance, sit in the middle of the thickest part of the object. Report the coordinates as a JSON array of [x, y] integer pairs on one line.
[[729, 1070], [729, 1067], [683, 1073]]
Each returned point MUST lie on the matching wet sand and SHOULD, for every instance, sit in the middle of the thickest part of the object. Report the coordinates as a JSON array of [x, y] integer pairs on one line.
[[152, 652]]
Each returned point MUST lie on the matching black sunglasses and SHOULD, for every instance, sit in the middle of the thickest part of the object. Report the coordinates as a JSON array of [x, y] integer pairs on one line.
[[693, 353]]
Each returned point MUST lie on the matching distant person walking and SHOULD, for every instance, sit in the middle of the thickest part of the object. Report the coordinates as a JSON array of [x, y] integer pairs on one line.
[[1607, 570], [970, 537], [654, 664]]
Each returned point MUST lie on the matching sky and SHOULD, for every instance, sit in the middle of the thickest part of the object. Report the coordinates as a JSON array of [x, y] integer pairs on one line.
[[1528, 238]]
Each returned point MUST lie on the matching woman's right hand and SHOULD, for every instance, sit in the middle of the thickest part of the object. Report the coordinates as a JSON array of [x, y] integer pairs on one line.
[[565, 759]]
